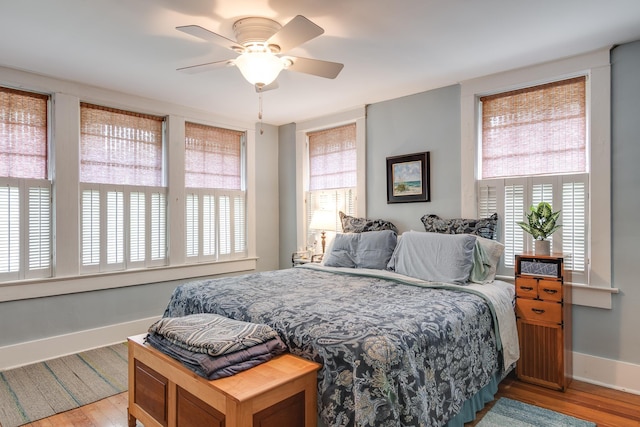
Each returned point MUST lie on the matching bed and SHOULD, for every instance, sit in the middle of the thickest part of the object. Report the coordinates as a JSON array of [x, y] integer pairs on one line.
[[395, 348]]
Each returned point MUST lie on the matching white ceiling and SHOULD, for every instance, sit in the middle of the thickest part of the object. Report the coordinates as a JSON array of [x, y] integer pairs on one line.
[[389, 49]]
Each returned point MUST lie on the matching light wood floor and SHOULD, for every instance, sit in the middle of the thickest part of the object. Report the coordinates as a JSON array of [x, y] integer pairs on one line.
[[605, 407]]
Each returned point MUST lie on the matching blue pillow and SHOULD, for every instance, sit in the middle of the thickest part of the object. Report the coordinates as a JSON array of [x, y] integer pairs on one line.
[[371, 249], [434, 257]]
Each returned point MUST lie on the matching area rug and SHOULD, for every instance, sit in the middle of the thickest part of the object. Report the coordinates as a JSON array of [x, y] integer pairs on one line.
[[511, 413], [37, 391]]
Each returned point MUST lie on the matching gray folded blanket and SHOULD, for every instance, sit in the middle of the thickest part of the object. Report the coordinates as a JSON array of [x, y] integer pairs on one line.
[[211, 367], [212, 334]]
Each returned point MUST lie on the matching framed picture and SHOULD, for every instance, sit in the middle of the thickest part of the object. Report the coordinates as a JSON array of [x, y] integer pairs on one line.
[[408, 178]]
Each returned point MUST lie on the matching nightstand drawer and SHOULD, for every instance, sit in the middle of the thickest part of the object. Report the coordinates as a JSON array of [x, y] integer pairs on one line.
[[539, 311], [526, 287], [550, 290]]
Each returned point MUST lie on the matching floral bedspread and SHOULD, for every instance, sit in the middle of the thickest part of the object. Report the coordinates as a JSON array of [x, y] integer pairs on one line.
[[392, 354]]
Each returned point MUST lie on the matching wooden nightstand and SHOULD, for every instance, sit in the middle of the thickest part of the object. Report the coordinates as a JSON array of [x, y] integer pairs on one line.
[[543, 312]]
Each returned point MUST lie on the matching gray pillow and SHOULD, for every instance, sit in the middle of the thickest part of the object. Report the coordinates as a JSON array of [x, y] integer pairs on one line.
[[372, 249], [434, 257]]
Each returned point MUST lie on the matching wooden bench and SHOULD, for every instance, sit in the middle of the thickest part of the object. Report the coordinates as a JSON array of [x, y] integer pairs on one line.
[[281, 392]]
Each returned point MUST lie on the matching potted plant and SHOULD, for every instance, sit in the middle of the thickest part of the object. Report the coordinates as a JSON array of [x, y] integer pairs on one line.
[[541, 224]]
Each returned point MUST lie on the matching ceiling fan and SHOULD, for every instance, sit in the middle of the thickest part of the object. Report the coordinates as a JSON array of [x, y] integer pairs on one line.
[[260, 42]]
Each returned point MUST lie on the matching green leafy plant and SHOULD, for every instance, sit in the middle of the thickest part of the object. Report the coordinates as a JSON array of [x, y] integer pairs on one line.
[[541, 221]]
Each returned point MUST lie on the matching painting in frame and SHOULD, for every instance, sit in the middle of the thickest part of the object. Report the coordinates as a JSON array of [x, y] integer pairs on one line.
[[408, 178]]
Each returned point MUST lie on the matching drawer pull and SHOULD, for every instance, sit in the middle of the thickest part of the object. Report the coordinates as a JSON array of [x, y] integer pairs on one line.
[[526, 288], [537, 310], [550, 291]]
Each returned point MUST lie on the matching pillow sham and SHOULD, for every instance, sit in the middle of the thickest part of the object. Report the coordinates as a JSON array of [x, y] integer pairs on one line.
[[352, 224], [484, 227], [434, 257], [372, 249], [486, 256]]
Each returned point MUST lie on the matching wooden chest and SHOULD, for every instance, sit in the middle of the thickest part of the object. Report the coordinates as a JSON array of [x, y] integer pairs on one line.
[[281, 392]]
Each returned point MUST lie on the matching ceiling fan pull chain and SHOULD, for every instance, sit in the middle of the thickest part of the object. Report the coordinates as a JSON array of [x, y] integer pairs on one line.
[[260, 111]]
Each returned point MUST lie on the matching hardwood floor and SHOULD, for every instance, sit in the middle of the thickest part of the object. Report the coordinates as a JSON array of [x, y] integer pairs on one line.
[[604, 406]]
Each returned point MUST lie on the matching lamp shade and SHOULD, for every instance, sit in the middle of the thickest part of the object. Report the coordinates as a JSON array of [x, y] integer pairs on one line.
[[323, 220], [259, 67]]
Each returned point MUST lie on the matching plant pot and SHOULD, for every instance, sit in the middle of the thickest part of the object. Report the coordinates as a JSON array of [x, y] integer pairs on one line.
[[542, 247]]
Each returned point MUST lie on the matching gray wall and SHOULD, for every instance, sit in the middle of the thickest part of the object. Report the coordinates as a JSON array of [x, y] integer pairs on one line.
[[287, 188], [38, 318], [613, 334], [428, 121]]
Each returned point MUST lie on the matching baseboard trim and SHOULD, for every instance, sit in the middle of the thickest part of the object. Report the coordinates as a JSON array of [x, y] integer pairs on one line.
[[607, 372], [13, 356]]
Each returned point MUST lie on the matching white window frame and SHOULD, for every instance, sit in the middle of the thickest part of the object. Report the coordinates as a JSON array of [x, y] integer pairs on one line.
[[597, 67], [356, 116]]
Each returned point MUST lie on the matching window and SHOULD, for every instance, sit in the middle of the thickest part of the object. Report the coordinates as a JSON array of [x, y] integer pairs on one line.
[[533, 149], [332, 156], [123, 200], [25, 188], [215, 193]]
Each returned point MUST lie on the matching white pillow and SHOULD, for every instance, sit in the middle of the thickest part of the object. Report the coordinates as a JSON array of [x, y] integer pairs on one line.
[[434, 257]]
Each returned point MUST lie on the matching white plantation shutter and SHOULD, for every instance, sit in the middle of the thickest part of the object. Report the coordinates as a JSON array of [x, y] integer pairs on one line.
[[115, 228], [25, 190], [209, 216], [487, 200], [90, 212], [39, 232], [224, 224], [9, 230], [239, 225], [137, 237], [215, 205], [514, 208], [158, 224], [192, 227], [574, 225], [124, 201]]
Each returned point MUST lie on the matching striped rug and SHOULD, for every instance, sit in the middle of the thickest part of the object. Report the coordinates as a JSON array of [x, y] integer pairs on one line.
[[512, 413], [43, 389]]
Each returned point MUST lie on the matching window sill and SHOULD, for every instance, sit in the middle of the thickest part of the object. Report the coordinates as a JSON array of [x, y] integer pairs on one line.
[[592, 296], [37, 288]]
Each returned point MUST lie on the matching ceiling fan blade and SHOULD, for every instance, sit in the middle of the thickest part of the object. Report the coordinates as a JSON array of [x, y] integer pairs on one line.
[[204, 34], [294, 33], [206, 67], [270, 86], [326, 69]]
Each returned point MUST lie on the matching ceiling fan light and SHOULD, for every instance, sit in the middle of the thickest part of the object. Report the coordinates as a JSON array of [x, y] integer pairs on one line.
[[259, 67]]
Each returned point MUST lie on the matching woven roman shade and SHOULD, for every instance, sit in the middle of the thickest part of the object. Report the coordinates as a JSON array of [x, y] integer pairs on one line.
[[23, 134], [332, 158], [120, 147], [539, 130], [213, 157]]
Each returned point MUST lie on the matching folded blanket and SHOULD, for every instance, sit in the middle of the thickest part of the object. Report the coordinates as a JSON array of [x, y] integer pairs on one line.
[[228, 364], [212, 334]]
